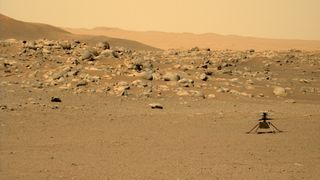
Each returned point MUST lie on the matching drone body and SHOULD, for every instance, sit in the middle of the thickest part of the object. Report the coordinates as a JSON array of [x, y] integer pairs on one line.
[[264, 126]]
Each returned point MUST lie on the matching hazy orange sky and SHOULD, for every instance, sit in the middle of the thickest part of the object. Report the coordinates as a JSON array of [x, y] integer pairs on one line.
[[298, 19]]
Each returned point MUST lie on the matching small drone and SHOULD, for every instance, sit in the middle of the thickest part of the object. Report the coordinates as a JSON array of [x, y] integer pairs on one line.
[[264, 125]]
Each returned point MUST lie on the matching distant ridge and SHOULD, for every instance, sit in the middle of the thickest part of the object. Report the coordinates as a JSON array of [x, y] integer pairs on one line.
[[166, 40], [11, 28]]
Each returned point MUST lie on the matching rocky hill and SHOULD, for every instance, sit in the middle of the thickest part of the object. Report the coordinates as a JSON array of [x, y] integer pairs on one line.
[[11, 28], [165, 40]]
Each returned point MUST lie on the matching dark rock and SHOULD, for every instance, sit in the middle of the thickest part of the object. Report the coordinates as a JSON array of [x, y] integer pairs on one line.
[[55, 99]]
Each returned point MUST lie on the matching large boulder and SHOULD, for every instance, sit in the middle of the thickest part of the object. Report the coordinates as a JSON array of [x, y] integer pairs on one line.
[[65, 45], [86, 55], [103, 45], [89, 54], [30, 45]]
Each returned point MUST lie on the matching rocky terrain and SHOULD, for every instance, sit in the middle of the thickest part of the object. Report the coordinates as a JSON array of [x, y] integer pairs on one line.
[[76, 67], [71, 110]]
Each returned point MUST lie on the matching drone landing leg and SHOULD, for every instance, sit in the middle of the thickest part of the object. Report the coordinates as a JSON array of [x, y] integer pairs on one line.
[[256, 131], [275, 127], [253, 129]]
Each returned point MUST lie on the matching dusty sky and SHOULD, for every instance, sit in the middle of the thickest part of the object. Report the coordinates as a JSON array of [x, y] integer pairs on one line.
[[298, 19]]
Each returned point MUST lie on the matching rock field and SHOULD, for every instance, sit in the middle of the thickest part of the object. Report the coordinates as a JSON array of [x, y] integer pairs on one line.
[[204, 73]]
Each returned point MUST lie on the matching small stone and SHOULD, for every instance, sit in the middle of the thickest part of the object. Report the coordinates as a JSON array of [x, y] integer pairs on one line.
[[3, 107], [156, 106], [109, 53], [211, 96], [250, 87], [203, 77], [139, 83], [61, 73], [186, 82], [170, 76], [7, 63], [163, 88], [124, 93], [46, 51], [249, 81], [121, 88], [73, 60], [246, 94], [145, 75], [74, 164], [37, 84], [197, 93], [92, 78], [156, 76], [298, 164], [55, 99], [291, 101], [82, 83], [183, 93], [223, 90], [186, 67], [195, 49], [55, 107], [280, 91], [209, 73], [304, 81]]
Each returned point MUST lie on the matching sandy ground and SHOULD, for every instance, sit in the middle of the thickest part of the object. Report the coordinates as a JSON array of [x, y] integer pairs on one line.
[[98, 137], [96, 133]]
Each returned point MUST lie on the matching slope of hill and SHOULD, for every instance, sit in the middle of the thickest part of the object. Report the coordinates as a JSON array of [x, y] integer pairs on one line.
[[166, 40], [11, 28]]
